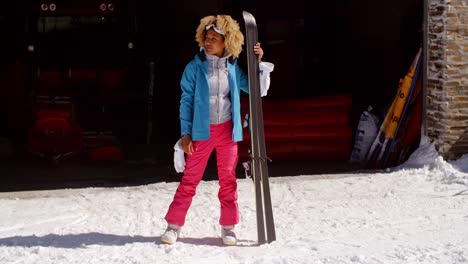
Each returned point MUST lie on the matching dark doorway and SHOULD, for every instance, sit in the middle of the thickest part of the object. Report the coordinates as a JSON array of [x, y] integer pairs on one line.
[[324, 48]]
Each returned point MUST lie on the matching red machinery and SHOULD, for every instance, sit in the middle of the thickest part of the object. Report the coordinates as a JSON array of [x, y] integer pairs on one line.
[[78, 58], [315, 128]]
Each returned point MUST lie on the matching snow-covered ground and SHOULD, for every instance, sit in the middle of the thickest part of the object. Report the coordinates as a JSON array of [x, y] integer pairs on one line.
[[415, 213]]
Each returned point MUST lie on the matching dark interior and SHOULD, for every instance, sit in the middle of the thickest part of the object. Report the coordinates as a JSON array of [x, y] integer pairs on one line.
[[360, 49]]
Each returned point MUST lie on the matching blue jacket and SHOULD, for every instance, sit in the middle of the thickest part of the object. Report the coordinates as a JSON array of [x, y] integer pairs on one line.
[[194, 109]]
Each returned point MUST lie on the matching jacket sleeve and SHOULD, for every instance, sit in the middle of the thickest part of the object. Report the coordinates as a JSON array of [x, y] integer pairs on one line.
[[265, 69], [243, 79], [187, 85]]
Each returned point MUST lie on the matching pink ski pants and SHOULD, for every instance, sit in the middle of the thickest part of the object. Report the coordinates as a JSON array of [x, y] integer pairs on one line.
[[226, 159]]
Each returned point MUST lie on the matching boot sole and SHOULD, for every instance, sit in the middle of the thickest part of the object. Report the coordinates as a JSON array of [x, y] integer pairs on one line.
[[230, 243], [169, 242]]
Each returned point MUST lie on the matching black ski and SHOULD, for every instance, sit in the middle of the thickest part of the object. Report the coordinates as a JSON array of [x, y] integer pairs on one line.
[[259, 159]]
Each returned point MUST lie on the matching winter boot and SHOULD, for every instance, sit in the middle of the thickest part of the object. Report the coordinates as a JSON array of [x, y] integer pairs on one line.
[[171, 234], [228, 235]]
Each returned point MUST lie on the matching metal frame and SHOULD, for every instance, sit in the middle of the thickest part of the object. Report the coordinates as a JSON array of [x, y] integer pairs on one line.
[[424, 71]]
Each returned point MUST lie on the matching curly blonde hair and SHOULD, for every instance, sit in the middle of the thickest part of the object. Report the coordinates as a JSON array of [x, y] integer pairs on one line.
[[233, 37]]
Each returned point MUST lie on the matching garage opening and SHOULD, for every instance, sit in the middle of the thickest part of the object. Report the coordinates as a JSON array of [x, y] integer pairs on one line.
[[332, 61]]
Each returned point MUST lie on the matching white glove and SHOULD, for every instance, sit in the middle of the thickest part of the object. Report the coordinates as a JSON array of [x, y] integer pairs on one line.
[[265, 69], [179, 157]]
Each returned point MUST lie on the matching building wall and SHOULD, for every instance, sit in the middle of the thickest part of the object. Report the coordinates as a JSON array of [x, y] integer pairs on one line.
[[447, 88]]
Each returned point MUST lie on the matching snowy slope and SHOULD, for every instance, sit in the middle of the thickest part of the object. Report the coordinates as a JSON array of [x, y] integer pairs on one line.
[[415, 213]]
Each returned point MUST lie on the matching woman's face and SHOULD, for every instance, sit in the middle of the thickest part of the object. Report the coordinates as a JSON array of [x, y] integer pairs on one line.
[[214, 43]]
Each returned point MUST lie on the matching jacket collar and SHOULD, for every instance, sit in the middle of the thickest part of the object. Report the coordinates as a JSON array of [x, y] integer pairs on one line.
[[202, 56]]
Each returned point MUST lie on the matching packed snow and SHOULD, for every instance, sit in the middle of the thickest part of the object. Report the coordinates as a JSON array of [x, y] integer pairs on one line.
[[413, 213]]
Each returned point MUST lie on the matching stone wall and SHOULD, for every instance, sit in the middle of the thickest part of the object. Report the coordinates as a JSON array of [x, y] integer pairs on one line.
[[447, 88]]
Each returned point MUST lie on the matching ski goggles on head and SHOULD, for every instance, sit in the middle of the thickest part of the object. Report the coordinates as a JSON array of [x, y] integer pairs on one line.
[[213, 26]]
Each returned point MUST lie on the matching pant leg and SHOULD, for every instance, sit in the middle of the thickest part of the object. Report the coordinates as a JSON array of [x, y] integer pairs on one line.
[[227, 156], [193, 173]]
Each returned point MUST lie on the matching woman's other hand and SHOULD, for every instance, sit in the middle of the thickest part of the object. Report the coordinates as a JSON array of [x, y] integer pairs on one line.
[[259, 51], [187, 145]]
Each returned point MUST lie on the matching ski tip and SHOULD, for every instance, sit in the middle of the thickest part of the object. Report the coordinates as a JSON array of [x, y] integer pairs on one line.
[[248, 15]]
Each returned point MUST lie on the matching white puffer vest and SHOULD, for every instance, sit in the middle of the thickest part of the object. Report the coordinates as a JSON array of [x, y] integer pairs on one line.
[[220, 101]]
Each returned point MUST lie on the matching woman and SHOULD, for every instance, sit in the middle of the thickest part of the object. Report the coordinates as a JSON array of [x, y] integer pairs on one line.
[[210, 119]]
